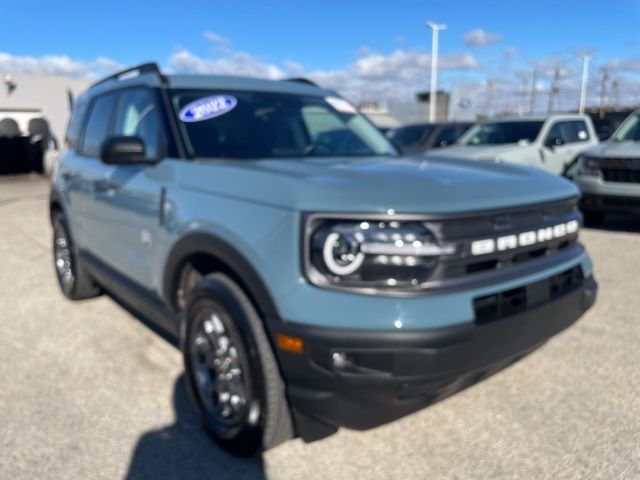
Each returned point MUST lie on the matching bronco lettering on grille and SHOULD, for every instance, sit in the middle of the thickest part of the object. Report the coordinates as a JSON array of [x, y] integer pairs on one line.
[[524, 239]]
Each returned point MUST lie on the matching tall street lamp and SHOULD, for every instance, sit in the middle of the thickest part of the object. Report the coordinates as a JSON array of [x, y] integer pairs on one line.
[[433, 93], [583, 88]]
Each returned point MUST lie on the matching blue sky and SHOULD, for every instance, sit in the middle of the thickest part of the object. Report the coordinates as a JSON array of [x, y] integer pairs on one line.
[[365, 44]]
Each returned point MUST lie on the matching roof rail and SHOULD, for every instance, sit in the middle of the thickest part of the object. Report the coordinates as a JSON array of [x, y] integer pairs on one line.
[[149, 67], [300, 80]]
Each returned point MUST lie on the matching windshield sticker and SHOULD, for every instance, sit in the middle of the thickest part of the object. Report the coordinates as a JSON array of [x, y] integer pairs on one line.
[[207, 107], [341, 105]]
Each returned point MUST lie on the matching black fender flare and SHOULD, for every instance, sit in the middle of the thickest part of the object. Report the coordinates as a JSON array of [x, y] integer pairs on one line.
[[56, 200], [209, 244]]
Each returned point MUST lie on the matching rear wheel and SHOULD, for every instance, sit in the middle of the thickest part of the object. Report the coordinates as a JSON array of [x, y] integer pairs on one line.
[[232, 373], [73, 279]]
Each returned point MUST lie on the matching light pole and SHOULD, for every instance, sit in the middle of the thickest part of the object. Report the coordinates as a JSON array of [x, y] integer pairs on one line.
[[433, 93], [583, 88]]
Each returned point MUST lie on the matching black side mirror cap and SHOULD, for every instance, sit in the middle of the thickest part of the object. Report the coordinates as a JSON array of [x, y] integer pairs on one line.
[[123, 151]]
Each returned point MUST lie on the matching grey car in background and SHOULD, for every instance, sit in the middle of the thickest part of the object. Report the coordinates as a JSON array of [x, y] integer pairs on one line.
[[420, 137], [551, 143], [609, 175]]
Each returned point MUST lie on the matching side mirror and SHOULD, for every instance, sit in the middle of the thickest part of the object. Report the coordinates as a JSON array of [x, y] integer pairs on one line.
[[123, 151], [554, 142]]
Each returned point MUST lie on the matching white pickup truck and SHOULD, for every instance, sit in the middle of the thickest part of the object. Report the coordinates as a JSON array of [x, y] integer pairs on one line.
[[551, 143]]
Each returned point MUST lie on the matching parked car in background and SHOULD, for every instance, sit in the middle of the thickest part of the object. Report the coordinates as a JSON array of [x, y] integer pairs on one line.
[[420, 137], [315, 278], [26, 142], [609, 174], [551, 143]]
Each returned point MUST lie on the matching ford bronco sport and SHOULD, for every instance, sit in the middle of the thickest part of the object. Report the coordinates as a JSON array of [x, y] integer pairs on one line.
[[609, 174], [314, 278]]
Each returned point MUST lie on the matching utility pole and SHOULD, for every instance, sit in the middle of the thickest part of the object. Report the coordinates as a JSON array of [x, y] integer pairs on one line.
[[523, 95], [489, 97], [616, 94], [583, 87], [433, 90], [554, 89], [534, 91], [603, 91]]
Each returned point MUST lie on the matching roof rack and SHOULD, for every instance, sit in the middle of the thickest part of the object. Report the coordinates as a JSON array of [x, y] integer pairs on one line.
[[149, 67], [300, 80]]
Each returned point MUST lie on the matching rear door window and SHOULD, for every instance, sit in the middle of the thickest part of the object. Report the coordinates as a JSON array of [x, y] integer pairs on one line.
[[98, 125]]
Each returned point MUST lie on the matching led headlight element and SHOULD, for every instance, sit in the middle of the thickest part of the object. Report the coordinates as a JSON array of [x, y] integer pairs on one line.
[[389, 255], [341, 256], [589, 166]]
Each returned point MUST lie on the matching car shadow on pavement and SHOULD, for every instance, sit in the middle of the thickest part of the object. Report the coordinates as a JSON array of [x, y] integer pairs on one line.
[[184, 451], [619, 223]]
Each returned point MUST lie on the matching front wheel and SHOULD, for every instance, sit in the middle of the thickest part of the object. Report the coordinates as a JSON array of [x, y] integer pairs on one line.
[[232, 374], [73, 279]]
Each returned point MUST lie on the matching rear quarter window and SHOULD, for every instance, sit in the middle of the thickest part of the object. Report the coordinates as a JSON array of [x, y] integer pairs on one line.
[[75, 126]]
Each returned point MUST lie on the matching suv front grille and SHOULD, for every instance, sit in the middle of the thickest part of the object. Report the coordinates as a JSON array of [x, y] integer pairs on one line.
[[622, 170], [464, 231], [510, 302]]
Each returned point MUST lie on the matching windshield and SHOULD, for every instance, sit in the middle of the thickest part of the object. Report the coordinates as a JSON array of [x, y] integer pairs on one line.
[[496, 133], [410, 136], [629, 131], [244, 125]]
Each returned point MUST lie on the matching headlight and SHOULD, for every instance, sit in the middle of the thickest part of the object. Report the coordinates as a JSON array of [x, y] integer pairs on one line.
[[589, 166], [371, 254]]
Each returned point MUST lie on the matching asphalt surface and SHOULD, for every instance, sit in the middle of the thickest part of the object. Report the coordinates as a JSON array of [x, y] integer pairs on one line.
[[90, 392]]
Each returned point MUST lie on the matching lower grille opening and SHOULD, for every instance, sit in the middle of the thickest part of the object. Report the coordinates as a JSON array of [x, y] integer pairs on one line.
[[523, 257], [510, 302]]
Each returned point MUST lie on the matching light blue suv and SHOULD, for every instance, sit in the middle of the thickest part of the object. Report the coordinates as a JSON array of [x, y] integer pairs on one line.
[[314, 277]]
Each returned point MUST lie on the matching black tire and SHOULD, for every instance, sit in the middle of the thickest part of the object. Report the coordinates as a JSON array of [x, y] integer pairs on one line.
[[593, 219], [263, 419], [73, 279]]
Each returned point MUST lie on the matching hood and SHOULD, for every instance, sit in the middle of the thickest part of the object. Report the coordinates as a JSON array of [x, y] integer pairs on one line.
[[479, 152], [616, 150], [377, 184]]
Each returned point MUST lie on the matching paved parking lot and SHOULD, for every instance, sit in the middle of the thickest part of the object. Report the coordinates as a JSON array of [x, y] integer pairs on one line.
[[90, 392]]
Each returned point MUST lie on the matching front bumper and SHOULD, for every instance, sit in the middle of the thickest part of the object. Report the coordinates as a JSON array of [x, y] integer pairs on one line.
[[362, 379], [610, 203], [601, 196]]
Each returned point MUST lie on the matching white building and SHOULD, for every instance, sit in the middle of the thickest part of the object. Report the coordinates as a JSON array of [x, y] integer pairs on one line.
[[25, 96]]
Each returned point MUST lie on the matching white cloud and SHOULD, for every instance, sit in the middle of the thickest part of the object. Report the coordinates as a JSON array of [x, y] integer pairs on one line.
[[56, 65], [372, 75], [216, 39], [480, 38], [626, 65], [233, 63]]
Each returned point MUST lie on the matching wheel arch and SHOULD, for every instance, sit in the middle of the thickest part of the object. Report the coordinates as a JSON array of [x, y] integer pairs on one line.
[[56, 204], [232, 262]]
